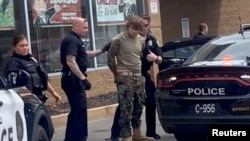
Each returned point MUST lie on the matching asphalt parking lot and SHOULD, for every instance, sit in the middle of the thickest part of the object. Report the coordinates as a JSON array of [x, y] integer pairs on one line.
[[100, 121]]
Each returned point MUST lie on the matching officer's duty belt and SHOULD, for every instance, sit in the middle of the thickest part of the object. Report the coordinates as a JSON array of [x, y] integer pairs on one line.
[[130, 73], [67, 73], [70, 73]]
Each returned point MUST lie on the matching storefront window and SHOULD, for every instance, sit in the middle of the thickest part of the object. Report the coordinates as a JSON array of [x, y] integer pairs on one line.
[[50, 21], [109, 18], [12, 21]]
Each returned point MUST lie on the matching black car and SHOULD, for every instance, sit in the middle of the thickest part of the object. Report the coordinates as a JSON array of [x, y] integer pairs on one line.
[[23, 117], [211, 87], [176, 52]]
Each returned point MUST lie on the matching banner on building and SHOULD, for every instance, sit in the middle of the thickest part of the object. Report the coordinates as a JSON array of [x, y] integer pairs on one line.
[[46, 12], [7, 20], [114, 12]]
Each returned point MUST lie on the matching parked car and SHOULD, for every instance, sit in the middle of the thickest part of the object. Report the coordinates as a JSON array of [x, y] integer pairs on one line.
[[23, 117], [178, 51], [209, 87]]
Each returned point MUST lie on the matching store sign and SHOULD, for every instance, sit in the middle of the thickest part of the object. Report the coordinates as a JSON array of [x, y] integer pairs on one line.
[[7, 20], [114, 12], [55, 11]]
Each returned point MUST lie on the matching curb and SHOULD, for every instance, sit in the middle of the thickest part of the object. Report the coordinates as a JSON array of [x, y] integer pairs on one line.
[[93, 114]]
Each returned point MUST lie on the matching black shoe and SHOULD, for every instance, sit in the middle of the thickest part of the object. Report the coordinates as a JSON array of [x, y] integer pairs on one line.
[[157, 137]]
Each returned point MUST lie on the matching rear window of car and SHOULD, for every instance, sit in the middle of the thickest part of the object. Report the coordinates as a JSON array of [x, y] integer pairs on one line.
[[216, 52], [184, 52]]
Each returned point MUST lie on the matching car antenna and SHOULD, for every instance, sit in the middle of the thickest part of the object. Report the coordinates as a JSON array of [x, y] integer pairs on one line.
[[241, 28]]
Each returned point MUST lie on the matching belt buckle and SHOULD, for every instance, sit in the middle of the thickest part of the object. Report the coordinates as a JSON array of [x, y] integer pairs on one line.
[[67, 74], [135, 74]]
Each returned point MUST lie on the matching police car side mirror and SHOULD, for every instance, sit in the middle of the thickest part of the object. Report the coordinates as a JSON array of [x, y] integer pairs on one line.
[[19, 78]]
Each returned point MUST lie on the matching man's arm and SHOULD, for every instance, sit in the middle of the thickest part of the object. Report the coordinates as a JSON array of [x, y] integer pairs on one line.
[[71, 62], [93, 53], [154, 57], [157, 50], [159, 55], [51, 90], [112, 55], [99, 51]]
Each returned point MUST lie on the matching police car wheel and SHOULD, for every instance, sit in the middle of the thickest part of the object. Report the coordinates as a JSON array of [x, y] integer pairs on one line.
[[41, 134]]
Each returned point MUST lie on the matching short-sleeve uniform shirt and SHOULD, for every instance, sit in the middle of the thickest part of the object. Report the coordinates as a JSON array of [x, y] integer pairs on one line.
[[73, 45]]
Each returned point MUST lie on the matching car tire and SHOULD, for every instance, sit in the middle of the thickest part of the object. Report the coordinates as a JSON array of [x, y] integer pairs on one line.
[[42, 118], [41, 134]]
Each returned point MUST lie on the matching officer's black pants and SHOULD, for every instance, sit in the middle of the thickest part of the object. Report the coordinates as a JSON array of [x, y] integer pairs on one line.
[[115, 129], [150, 108], [77, 124]]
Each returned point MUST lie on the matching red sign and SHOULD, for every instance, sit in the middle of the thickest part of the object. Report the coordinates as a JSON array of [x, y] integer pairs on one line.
[[46, 12]]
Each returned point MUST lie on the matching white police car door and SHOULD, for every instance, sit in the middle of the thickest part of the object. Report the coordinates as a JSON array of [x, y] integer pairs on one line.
[[12, 119]]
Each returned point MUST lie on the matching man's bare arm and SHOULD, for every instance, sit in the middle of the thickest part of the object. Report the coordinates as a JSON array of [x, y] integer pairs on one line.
[[71, 62], [93, 53]]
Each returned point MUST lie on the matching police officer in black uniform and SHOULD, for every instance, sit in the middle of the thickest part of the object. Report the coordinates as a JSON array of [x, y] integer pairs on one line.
[[74, 79], [21, 59], [150, 54]]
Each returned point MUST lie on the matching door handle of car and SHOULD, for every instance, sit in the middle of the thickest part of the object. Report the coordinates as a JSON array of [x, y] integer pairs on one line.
[[1, 103]]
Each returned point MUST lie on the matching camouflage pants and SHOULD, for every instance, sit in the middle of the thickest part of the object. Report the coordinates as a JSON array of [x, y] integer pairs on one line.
[[131, 91]]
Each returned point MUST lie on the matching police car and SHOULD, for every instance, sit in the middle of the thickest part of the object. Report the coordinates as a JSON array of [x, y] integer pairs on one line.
[[23, 117], [212, 86]]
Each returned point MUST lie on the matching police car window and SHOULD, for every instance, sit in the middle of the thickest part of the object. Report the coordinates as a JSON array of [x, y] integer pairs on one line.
[[195, 47], [237, 51], [169, 53], [184, 52]]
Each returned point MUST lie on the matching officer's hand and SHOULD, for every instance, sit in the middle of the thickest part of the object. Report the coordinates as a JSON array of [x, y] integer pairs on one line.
[[56, 96], [151, 56], [106, 47], [87, 84]]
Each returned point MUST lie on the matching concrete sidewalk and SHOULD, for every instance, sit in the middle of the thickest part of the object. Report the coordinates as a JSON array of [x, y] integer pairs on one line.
[[93, 114]]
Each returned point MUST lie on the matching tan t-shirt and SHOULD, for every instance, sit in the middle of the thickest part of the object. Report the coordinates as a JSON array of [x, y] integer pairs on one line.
[[125, 53]]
